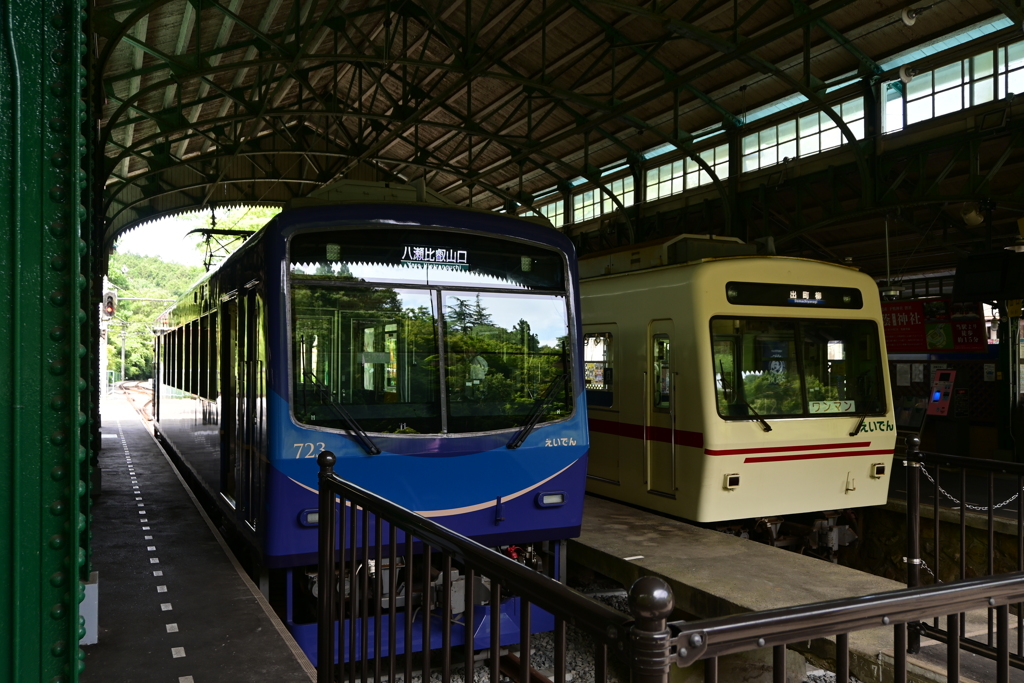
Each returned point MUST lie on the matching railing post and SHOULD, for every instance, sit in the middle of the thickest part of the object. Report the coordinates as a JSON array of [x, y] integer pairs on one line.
[[325, 577], [913, 530], [650, 602]]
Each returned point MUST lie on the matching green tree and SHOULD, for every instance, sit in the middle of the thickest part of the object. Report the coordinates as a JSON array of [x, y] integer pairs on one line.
[[141, 277]]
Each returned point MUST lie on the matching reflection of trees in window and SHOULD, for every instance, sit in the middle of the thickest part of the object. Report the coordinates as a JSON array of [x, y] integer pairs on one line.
[[371, 350], [782, 367], [496, 375]]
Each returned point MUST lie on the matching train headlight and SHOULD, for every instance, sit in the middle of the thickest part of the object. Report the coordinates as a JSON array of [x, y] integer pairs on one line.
[[309, 517], [551, 499], [732, 481], [878, 470]]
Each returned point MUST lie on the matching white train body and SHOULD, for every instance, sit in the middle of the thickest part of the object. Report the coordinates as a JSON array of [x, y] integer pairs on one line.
[[681, 359]]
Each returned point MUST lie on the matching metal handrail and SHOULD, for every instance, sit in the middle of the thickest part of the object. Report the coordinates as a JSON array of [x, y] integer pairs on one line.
[[607, 626], [741, 632]]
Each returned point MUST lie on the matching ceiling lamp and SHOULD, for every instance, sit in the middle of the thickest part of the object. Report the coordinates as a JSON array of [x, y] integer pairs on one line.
[[971, 214], [907, 74], [909, 15]]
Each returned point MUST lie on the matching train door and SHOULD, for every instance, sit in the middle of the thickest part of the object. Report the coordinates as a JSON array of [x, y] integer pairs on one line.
[[249, 410], [229, 399], [659, 432], [602, 407]]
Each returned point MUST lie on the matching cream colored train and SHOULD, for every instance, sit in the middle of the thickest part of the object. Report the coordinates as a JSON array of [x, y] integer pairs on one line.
[[723, 385]]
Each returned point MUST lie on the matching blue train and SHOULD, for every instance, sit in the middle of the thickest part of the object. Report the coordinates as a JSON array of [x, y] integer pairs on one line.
[[414, 340]]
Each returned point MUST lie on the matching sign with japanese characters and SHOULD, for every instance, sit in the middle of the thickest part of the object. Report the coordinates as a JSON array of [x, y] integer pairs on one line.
[[806, 297], [841, 406], [933, 325], [455, 259], [904, 326]]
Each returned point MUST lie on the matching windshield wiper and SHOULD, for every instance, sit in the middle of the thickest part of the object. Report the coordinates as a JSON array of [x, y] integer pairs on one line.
[[860, 423], [535, 414], [358, 432], [728, 387]]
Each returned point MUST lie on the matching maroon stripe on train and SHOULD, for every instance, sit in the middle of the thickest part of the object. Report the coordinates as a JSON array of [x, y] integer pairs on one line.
[[816, 456], [790, 449], [633, 431]]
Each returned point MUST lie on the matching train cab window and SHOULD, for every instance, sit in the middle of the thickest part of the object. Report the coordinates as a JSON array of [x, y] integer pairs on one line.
[[504, 353], [466, 334], [778, 367], [598, 370], [662, 373], [371, 351]]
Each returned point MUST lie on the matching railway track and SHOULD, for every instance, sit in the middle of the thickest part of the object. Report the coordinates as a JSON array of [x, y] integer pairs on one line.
[[140, 395]]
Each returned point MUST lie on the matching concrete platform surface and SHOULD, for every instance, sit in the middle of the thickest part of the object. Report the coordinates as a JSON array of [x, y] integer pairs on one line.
[[172, 605], [713, 574]]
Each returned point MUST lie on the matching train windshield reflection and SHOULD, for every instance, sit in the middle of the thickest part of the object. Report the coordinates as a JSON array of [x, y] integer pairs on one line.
[[796, 367], [375, 354]]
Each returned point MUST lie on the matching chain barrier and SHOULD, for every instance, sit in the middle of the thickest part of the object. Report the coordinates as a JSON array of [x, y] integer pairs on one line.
[[977, 508]]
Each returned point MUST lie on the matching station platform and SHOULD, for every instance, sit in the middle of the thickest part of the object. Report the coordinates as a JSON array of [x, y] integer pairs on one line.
[[173, 604], [713, 574]]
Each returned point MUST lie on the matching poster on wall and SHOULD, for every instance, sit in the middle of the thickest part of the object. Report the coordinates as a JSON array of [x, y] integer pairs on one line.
[[933, 325]]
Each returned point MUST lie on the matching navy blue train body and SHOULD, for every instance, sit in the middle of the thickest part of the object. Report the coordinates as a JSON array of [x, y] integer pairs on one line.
[[430, 333]]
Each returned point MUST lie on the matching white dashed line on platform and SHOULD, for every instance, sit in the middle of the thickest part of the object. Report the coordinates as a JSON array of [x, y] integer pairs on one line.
[[177, 652], [165, 607], [158, 573], [150, 548], [154, 560], [172, 628], [161, 589], [185, 679]]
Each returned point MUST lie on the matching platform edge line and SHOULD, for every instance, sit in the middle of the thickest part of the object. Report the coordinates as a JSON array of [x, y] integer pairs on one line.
[[289, 640]]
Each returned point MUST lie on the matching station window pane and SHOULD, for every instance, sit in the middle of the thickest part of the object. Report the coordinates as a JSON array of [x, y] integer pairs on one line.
[[787, 131], [852, 110], [831, 138], [981, 65], [948, 101], [1015, 82], [948, 76], [982, 91], [554, 213], [809, 124], [787, 149], [598, 359], [1015, 55], [749, 144], [893, 115], [920, 86], [920, 110], [809, 145], [857, 128]]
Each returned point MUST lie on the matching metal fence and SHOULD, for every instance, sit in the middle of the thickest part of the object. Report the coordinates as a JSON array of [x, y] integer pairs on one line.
[[358, 527], [953, 481]]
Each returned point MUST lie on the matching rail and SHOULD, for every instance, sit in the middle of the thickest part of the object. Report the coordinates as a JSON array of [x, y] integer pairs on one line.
[[357, 528], [990, 476]]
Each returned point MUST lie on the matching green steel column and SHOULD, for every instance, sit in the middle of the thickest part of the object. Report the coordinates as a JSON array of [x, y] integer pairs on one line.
[[42, 517]]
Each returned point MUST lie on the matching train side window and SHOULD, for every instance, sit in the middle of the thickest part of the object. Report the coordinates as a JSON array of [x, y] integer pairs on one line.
[[598, 370], [662, 372]]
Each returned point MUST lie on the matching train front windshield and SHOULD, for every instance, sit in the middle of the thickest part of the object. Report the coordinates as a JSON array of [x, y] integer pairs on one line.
[[427, 332], [778, 367]]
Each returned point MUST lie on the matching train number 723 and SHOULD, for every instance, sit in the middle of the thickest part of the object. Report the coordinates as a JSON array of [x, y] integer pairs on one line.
[[308, 450]]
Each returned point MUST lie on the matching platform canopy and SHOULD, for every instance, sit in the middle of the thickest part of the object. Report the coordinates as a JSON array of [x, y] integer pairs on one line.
[[212, 102]]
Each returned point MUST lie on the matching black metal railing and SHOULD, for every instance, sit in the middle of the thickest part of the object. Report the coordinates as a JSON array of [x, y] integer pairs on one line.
[[365, 636], [710, 639], [956, 480], [358, 527]]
